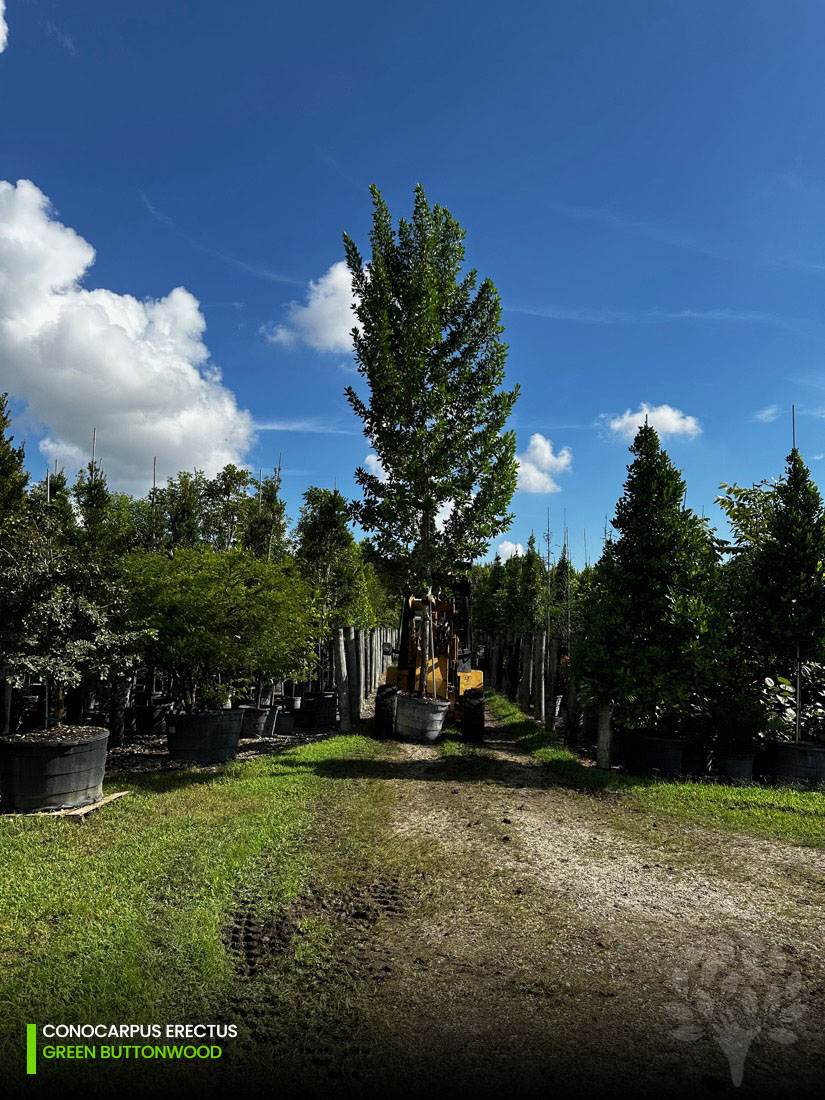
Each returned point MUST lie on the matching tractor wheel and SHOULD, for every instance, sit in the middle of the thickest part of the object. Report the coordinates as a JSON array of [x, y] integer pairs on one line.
[[472, 725], [383, 724]]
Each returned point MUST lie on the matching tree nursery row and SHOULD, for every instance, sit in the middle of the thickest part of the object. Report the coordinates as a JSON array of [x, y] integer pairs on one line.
[[119, 616], [700, 654]]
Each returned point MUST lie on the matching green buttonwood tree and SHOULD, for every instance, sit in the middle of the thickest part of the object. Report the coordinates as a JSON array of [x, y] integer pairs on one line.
[[428, 345]]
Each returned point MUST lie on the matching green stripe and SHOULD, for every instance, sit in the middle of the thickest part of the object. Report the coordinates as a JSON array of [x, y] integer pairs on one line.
[[31, 1048]]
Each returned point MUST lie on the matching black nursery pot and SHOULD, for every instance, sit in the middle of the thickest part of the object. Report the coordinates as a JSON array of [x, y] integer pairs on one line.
[[209, 738], [798, 763], [59, 775], [253, 722], [325, 711], [650, 756]]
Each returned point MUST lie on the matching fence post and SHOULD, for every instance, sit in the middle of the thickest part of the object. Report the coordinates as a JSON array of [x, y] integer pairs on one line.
[[531, 665], [359, 666], [539, 647], [525, 657], [352, 674], [603, 745], [342, 680]]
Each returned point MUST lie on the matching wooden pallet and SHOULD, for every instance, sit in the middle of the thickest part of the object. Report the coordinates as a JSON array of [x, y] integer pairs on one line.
[[78, 812]]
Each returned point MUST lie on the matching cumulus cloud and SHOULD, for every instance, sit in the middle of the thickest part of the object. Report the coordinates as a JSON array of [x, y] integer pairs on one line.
[[372, 464], [136, 370], [538, 464], [325, 321], [767, 415], [509, 549], [664, 418], [4, 29]]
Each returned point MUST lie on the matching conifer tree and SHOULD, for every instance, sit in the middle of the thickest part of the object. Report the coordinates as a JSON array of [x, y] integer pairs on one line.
[[786, 595], [648, 609]]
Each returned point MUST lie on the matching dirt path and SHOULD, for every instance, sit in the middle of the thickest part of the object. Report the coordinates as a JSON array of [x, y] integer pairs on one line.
[[570, 946]]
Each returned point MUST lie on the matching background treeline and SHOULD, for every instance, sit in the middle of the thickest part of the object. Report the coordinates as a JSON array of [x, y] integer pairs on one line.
[[203, 581]]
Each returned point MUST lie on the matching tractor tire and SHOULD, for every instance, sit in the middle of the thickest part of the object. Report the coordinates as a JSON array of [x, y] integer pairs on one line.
[[383, 724], [472, 723]]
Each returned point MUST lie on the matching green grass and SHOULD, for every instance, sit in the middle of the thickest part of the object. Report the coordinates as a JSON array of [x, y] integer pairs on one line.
[[119, 919], [778, 813]]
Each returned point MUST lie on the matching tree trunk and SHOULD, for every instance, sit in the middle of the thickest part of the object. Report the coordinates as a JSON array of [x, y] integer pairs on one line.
[[5, 713], [342, 680], [529, 660], [604, 743], [522, 694], [425, 648], [550, 685], [539, 658], [352, 674], [359, 667], [118, 694], [572, 727]]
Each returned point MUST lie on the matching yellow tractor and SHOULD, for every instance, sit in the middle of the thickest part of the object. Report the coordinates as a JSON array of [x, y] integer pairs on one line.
[[450, 675]]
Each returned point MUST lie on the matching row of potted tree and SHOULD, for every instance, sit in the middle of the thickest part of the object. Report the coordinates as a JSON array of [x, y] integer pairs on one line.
[[717, 645], [200, 582]]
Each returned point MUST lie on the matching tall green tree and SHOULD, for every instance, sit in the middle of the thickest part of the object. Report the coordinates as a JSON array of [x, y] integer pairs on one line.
[[428, 345], [92, 496], [13, 475], [180, 511], [264, 522], [788, 595], [330, 559], [648, 612], [226, 502], [775, 592]]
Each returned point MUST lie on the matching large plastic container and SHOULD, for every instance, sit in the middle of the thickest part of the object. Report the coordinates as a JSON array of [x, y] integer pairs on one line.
[[418, 719], [209, 738], [59, 775]]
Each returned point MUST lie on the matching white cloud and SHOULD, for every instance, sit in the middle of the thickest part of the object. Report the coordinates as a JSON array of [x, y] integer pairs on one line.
[[4, 29], [538, 464], [767, 415], [443, 513], [372, 464], [136, 370], [509, 549], [310, 426], [326, 321], [591, 316], [664, 418]]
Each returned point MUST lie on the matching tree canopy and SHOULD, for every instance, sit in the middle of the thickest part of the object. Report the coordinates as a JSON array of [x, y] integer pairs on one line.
[[428, 345]]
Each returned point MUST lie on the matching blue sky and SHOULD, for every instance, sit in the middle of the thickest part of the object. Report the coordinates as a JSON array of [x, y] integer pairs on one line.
[[644, 182]]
